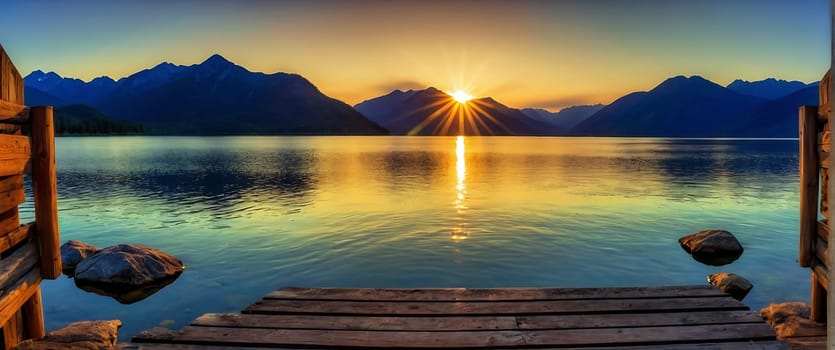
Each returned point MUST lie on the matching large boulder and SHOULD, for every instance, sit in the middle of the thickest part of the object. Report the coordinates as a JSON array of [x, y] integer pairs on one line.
[[712, 247], [72, 253], [733, 284], [125, 269], [791, 319], [85, 335]]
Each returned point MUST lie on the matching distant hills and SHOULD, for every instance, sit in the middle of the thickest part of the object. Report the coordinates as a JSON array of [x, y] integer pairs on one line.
[[768, 89], [696, 107], [433, 112], [214, 97], [84, 120], [565, 119], [220, 97]]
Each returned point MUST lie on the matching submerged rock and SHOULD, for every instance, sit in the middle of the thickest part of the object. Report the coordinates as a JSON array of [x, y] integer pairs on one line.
[[733, 284], [123, 294], [791, 319], [712, 247], [72, 253], [85, 335], [127, 270]]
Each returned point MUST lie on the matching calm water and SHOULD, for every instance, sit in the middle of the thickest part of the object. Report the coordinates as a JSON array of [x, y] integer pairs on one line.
[[251, 214]]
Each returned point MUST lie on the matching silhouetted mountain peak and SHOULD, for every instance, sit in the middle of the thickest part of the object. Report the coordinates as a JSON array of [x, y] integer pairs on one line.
[[769, 88], [217, 61], [40, 76], [692, 84], [102, 80]]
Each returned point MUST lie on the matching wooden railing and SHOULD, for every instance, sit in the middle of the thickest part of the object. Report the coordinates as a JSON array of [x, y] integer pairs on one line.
[[31, 252], [814, 136]]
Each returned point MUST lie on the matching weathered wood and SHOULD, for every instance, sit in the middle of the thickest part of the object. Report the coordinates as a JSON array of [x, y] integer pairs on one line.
[[637, 320], [13, 331], [822, 274], [9, 222], [33, 316], [152, 346], [807, 343], [14, 266], [457, 323], [11, 83], [649, 335], [15, 154], [818, 300], [383, 323], [15, 147], [445, 308], [11, 199], [492, 294], [10, 183], [16, 236], [808, 184], [13, 113], [823, 231], [13, 299], [822, 251], [742, 345], [46, 193], [455, 339]]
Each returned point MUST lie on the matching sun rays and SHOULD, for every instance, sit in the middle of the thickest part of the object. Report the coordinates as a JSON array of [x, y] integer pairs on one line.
[[459, 114]]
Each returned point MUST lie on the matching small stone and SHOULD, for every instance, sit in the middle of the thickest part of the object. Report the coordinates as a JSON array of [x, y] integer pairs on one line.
[[778, 313], [157, 333], [85, 335], [733, 284], [791, 319], [712, 247], [72, 253], [796, 326]]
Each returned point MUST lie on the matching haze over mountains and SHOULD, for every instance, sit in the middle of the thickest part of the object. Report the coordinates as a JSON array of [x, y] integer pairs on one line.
[[219, 97]]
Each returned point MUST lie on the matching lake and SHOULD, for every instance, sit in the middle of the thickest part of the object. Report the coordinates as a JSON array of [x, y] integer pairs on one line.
[[251, 214]]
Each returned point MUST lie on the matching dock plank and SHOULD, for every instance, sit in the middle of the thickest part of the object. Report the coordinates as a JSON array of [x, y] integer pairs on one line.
[[492, 294], [385, 323], [652, 318], [747, 345], [430, 340], [474, 323], [438, 308]]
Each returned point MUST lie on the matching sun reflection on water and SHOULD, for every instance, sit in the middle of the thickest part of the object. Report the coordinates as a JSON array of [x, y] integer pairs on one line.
[[460, 232]]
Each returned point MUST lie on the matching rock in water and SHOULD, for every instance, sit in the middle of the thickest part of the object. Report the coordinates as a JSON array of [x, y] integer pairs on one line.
[[125, 268], [733, 284], [72, 253], [85, 335], [791, 319], [712, 247]]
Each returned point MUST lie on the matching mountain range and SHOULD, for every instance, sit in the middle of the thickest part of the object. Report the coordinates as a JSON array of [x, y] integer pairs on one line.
[[213, 97], [696, 107], [220, 97]]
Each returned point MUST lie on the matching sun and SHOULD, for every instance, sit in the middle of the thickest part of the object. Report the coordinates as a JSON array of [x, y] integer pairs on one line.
[[461, 96]]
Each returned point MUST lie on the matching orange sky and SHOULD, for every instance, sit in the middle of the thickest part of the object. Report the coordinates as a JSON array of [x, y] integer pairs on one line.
[[547, 54]]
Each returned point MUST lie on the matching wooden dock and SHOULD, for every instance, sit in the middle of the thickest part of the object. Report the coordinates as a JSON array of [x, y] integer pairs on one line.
[[678, 317]]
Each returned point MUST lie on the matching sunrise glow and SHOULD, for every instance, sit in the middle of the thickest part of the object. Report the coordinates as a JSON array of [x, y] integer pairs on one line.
[[461, 96]]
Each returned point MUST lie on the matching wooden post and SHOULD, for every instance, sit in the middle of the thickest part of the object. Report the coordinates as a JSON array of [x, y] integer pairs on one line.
[[818, 302], [808, 126], [46, 192], [33, 316]]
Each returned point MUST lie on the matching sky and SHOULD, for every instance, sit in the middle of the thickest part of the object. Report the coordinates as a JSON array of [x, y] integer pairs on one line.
[[543, 54]]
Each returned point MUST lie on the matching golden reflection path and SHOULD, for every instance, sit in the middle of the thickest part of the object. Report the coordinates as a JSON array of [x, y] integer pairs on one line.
[[460, 232]]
